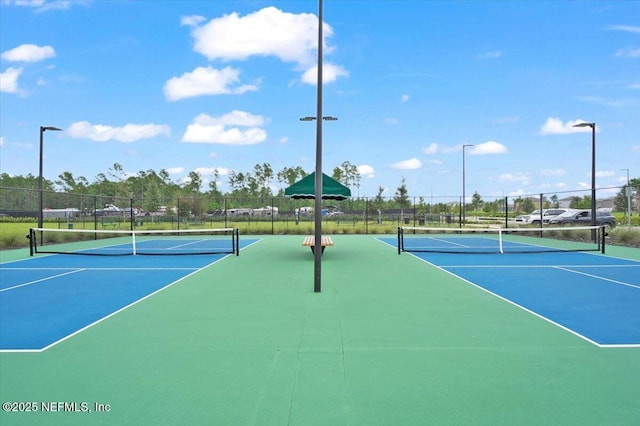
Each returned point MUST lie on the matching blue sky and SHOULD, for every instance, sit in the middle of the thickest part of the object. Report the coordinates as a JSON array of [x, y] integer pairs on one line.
[[203, 85]]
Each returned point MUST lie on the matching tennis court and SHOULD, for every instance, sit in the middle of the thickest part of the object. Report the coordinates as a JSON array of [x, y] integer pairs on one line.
[[594, 296], [391, 340]]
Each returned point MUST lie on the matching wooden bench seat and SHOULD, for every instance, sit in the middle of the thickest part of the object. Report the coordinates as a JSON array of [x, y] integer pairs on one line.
[[311, 242]]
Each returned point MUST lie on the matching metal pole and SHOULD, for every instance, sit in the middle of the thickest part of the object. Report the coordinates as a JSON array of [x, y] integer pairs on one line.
[[41, 178], [627, 189], [593, 175], [463, 213], [317, 270], [593, 181], [40, 201]]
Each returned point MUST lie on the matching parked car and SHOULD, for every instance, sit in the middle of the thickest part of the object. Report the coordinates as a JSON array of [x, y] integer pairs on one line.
[[335, 214], [583, 217], [533, 218]]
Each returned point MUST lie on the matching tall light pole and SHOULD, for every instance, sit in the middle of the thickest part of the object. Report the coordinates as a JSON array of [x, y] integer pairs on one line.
[[317, 264], [593, 174], [627, 190], [464, 213], [40, 178]]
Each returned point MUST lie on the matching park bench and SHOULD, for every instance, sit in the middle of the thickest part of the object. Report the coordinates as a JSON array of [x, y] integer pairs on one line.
[[109, 222], [311, 242]]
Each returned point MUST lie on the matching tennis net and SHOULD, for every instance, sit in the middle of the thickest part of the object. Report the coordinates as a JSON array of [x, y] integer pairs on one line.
[[122, 243], [500, 240]]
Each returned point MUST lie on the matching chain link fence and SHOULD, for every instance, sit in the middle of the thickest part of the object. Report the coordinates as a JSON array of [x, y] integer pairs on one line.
[[285, 215]]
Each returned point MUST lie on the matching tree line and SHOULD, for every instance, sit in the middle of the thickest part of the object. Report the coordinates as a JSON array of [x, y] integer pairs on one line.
[[157, 189]]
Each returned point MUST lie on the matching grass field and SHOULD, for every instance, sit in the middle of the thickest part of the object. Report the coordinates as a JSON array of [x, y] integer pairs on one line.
[[13, 234]]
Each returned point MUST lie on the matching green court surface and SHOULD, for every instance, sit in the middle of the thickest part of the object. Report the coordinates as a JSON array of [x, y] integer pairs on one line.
[[390, 340]]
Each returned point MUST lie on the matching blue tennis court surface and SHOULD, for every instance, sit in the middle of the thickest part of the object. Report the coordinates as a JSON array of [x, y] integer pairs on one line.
[[594, 296], [44, 300]]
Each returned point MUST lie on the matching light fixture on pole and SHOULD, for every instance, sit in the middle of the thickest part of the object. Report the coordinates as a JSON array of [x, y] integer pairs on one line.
[[326, 118], [593, 174], [627, 190], [40, 178], [463, 184]]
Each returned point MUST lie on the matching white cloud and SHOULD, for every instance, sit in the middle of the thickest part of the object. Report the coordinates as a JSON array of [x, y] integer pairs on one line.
[[366, 171], [635, 148], [207, 129], [494, 54], [598, 100], [126, 133], [9, 80], [175, 170], [628, 52], [555, 126], [583, 185], [606, 173], [1, 141], [44, 5], [205, 81], [292, 38], [210, 171], [556, 172], [283, 140], [506, 120], [431, 149], [404, 98], [522, 178], [29, 53], [411, 164], [267, 32], [626, 28], [330, 73], [490, 147], [192, 20]]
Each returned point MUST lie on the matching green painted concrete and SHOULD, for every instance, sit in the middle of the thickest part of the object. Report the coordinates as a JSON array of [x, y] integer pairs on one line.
[[389, 341]]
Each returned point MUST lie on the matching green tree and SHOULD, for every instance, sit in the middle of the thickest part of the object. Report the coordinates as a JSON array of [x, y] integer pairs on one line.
[[476, 201], [580, 203], [401, 196], [621, 200]]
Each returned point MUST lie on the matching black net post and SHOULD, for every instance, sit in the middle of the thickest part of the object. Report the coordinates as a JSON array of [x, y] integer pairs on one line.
[[32, 241], [506, 212], [237, 241]]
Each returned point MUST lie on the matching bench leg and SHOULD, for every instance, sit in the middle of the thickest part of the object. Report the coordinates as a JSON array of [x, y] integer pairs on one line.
[[313, 250]]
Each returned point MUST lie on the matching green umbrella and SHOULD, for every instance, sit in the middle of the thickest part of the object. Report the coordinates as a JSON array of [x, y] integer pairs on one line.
[[305, 189]]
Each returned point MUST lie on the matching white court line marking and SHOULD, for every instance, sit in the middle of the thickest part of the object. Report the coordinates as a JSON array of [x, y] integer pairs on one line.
[[101, 269], [542, 317], [98, 321], [183, 245], [541, 266], [597, 277], [41, 280]]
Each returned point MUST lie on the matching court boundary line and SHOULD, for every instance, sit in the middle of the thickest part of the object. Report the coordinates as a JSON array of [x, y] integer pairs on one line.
[[52, 277], [562, 268], [550, 321], [98, 321]]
